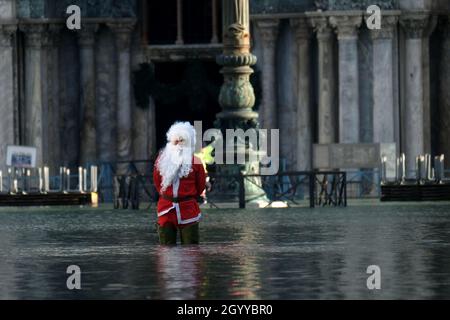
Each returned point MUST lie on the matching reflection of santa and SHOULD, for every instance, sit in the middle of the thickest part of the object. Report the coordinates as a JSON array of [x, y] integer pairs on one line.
[[180, 272], [179, 178]]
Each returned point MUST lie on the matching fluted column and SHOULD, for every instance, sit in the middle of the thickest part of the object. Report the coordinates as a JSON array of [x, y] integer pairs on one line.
[[304, 113], [347, 33], [268, 29], [34, 116], [326, 113], [124, 118], [179, 40], [7, 96], [54, 106], [383, 81], [86, 41], [414, 26], [444, 92]]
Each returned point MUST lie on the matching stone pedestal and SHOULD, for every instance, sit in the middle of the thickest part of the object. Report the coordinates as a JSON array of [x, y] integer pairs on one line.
[[383, 83], [326, 82], [347, 32], [86, 41], [414, 26], [304, 113]]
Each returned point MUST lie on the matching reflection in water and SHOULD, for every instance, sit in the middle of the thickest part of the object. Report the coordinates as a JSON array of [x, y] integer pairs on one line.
[[179, 272], [249, 254]]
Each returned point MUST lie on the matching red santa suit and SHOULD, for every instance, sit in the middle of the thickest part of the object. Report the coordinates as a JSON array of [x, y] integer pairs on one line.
[[177, 204]]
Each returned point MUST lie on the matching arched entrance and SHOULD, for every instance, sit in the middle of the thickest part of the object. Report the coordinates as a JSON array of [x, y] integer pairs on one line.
[[185, 91]]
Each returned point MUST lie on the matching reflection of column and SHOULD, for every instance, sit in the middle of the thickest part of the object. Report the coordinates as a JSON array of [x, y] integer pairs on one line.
[[326, 114], [304, 125], [413, 115], [444, 93], [383, 81], [86, 41], [7, 100], [214, 38], [124, 134], [347, 30], [54, 116], [179, 22], [34, 103], [268, 30]]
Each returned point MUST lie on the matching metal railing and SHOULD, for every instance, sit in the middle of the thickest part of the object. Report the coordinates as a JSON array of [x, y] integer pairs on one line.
[[327, 188]]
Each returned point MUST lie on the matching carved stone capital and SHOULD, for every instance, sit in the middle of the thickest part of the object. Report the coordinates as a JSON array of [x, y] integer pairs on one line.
[[302, 28], [388, 28], [415, 25], [35, 35], [321, 27], [122, 31], [268, 29], [86, 35], [347, 27], [6, 33]]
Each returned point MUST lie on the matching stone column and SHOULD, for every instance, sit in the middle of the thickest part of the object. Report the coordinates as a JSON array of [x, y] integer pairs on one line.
[[414, 26], [215, 37], [268, 29], [326, 79], [383, 81], [179, 40], [124, 118], [86, 41], [7, 94], [304, 112], [34, 116], [444, 93], [54, 106], [347, 32]]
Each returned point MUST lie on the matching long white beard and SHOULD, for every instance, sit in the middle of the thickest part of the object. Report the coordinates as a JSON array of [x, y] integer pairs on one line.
[[174, 161]]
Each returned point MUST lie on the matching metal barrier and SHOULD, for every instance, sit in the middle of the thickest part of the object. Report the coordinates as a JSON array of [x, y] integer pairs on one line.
[[327, 188]]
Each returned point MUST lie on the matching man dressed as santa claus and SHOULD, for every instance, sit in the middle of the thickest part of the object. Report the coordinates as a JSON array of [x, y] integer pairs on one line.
[[180, 179]]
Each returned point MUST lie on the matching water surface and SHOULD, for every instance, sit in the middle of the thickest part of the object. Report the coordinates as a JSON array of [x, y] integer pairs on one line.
[[296, 253]]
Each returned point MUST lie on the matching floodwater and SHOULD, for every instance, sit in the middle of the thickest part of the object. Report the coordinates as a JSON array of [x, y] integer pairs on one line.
[[301, 253]]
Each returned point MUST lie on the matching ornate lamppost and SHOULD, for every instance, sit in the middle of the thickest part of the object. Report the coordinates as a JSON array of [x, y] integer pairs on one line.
[[237, 97]]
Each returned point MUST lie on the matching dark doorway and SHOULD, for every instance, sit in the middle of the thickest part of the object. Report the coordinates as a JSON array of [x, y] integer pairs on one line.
[[189, 92]]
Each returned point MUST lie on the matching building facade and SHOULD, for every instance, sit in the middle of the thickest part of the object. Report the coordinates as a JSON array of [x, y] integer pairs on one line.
[[108, 92]]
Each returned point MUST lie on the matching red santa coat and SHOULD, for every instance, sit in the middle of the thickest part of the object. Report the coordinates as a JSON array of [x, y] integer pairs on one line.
[[192, 186]]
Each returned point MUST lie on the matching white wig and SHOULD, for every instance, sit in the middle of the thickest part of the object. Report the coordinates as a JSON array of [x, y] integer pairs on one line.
[[182, 130], [176, 160]]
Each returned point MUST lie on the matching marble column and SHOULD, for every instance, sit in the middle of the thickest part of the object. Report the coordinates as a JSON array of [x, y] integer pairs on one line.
[[86, 41], [7, 94], [54, 106], [326, 80], [179, 40], [303, 104], [444, 93], [383, 81], [414, 26], [268, 30], [122, 33], [347, 33], [35, 105]]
